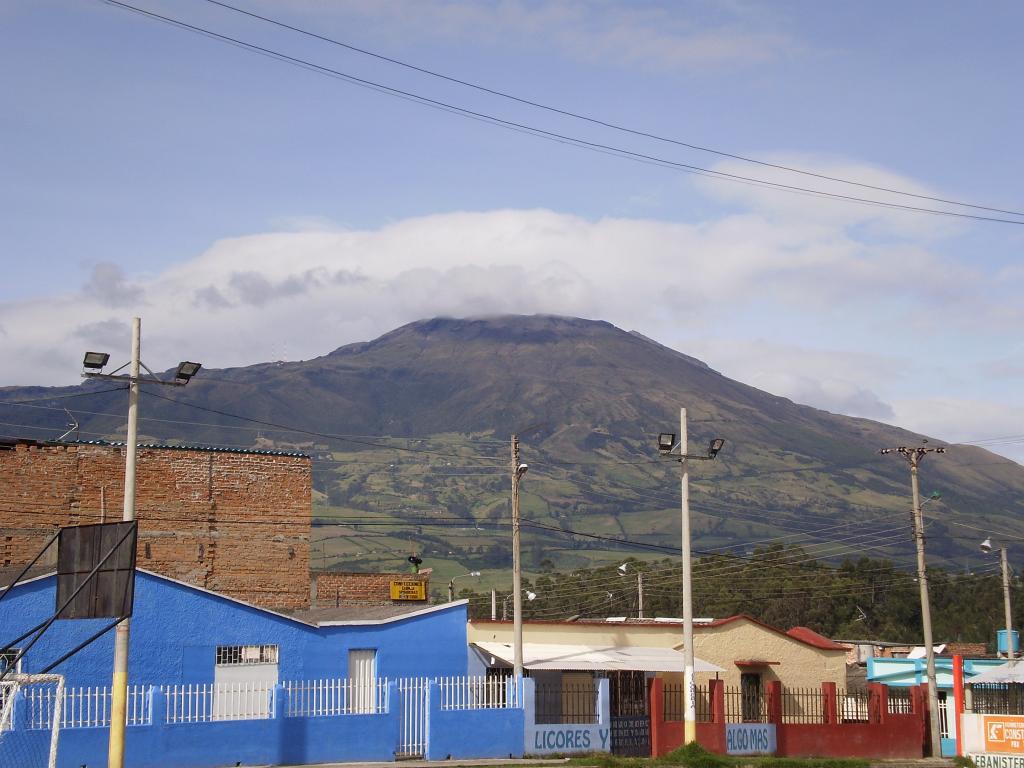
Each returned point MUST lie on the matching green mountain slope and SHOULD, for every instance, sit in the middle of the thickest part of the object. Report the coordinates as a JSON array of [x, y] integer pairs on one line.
[[426, 412]]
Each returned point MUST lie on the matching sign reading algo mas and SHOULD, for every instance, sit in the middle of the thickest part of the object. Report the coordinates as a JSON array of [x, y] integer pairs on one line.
[[408, 589], [1004, 733]]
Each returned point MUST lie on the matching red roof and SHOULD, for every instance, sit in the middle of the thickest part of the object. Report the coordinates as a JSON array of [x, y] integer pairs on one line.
[[809, 636]]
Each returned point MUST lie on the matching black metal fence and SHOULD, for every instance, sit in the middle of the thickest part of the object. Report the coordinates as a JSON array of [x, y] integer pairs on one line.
[[675, 703], [572, 703], [745, 705], [803, 705], [900, 701], [854, 705], [996, 699]]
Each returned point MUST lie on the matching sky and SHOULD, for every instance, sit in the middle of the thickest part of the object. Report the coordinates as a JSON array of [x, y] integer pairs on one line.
[[249, 209]]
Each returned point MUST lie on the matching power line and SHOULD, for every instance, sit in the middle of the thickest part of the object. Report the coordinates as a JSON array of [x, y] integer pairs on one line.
[[597, 121], [539, 132]]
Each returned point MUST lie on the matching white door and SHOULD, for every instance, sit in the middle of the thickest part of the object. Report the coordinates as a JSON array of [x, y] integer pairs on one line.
[[362, 673]]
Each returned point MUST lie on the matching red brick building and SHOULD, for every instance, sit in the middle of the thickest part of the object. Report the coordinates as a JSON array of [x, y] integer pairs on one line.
[[233, 521]]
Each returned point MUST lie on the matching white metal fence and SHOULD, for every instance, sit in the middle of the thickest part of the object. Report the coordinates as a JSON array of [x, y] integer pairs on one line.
[[219, 701], [85, 707], [413, 693], [476, 693], [317, 698]]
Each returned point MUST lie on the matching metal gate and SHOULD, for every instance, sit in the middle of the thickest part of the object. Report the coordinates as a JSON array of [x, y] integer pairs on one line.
[[412, 729], [631, 719]]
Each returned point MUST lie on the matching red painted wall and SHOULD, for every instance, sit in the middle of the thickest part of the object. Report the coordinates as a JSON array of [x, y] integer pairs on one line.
[[887, 736]]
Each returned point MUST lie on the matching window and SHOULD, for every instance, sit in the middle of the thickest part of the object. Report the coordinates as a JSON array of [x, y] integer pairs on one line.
[[237, 655], [7, 658]]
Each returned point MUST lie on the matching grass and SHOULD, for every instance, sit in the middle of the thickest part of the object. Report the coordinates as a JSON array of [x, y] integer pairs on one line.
[[695, 756]]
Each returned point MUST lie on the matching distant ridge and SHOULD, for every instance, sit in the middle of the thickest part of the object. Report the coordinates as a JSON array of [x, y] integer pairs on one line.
[[602, 395]]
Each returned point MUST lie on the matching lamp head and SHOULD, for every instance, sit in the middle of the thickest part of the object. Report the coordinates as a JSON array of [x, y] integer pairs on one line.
[[186, 370], [666, 442], [715, 446], [474, 573], [622, 569], [986, 546], [522, 469], [95, 361], [531, 595]]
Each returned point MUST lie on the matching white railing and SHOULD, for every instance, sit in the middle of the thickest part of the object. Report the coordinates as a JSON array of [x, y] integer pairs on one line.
[[476, 693], [220, 701], [317, 698], [86, 707], [413, 695]]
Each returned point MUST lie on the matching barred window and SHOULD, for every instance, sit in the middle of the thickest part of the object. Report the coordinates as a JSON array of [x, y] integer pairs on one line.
[[235, 655]]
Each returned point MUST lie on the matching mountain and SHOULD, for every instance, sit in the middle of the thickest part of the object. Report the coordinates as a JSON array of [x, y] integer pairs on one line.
[[410, 436]]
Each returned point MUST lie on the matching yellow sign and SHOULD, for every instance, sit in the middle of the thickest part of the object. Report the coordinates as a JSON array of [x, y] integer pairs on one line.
[[408, 589], [1004, 733]]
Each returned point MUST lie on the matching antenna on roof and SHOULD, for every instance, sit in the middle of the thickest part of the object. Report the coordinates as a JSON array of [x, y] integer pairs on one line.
[[72, 426]]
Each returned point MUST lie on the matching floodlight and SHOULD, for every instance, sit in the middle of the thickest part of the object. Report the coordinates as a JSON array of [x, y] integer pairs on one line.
[[95, 360], [666, 442], [186, 370], [715, 446]]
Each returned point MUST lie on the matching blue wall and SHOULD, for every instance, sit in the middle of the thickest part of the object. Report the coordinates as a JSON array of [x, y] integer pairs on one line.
[[472, 733], [176, 629]]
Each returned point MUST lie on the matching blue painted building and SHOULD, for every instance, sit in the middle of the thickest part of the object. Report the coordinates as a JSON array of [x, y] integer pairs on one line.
[[907, 672], [186, 634]]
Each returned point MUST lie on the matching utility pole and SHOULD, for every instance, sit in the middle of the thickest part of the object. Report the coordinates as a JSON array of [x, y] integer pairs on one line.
[[666, 444], [1004, 567], [119, 690], [494, 605], [1006, 602], [93, 363], [518, 470], [639, 595], [689, 684], [913, 457]]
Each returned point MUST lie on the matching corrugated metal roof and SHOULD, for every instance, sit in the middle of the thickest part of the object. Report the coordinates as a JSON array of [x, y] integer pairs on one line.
[[165, 446], [594, 658]]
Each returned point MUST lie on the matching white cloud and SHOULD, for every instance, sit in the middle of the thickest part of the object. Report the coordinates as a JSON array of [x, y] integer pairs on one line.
[[637, 37], [998, 427]]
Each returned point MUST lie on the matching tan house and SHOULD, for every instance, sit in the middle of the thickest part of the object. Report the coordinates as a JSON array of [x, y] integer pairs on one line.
[[748, 653]]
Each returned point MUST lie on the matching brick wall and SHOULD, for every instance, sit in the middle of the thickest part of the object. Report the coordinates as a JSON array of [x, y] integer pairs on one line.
[[340, 587], [233, 522]]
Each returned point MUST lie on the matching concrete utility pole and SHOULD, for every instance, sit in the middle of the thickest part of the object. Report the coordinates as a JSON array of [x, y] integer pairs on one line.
[[666, 443], [639, 595], [1006, 602], [518, 470], [913, 457], [1004, 567], [93, 364], [689, 684], [119, 690]]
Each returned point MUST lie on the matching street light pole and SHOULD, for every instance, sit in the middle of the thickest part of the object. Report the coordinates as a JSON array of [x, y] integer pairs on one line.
[[665, 445], [913, 457], [689, 684], [119, 689], [93, 363], [1004, 567]]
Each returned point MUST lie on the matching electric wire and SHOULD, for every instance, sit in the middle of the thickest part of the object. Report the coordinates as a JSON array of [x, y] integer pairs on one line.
[[539, 132], [597, 121]]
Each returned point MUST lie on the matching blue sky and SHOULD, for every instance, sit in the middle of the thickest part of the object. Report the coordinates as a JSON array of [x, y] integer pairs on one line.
[[248, 210]]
